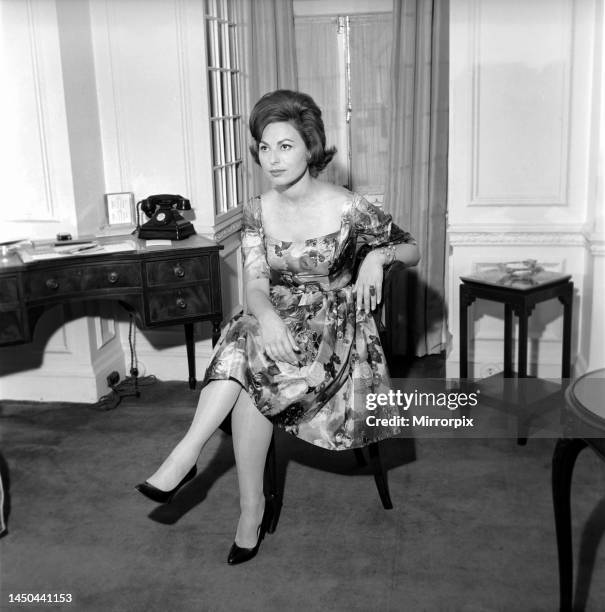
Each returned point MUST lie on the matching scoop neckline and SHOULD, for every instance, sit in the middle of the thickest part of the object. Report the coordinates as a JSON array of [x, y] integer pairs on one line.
[[347, 202], [315, 238]]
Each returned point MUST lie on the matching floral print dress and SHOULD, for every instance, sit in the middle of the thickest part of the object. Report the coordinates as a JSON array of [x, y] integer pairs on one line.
[[322, 400]]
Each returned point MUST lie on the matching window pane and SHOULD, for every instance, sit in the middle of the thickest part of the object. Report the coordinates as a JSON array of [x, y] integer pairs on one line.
[[236, 139], [226, 89], [229, 145], [212, 8], [216, 43], [222, 9], [210, 43], [233, 47], [235, 92], [231, 196], [220, 191], [239, 183], [224, 47], [217, 143], [217, 103]]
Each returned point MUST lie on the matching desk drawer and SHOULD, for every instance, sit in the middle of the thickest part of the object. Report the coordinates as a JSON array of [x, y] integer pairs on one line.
[[46, 283], [179, 303], [182, 270], [110, 276]]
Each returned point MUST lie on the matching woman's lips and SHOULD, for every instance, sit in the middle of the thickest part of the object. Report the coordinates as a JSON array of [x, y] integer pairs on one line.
[[276, 172]]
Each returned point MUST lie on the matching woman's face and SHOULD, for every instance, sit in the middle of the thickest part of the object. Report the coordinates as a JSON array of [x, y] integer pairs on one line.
[[282, 153]]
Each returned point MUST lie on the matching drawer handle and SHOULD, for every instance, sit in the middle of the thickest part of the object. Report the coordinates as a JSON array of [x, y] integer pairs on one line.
[[113, 277], [52, 283], [179, 271], [181, 303]]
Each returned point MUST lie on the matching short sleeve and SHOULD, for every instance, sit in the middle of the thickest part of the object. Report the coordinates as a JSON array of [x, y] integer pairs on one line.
[[374, 227], [253, 244]]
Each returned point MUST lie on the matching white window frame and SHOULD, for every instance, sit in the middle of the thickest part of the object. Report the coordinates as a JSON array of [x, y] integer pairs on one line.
[[225, 98]]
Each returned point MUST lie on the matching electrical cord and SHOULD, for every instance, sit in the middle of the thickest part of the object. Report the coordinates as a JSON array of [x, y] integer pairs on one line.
[[129, 387]]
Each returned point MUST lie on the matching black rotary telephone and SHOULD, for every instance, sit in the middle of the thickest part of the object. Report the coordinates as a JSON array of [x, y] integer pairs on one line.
[[165, 222]]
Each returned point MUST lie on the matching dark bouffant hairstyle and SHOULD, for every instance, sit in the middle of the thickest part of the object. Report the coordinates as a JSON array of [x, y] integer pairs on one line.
[[300, 110]]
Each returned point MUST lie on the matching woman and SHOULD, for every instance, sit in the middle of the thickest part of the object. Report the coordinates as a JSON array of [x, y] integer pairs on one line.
[[308, 351]]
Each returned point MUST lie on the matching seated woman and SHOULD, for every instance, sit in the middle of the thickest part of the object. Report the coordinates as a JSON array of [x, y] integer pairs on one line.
[[308, 351]]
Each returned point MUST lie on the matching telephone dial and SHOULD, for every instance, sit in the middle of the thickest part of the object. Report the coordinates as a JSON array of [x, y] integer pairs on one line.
[[165, 221]]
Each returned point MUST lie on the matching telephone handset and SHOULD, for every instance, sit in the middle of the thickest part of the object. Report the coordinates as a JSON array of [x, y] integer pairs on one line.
[[165, 222]]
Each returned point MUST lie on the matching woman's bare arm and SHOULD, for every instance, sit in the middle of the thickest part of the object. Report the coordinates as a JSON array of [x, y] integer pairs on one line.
[[278, 341]]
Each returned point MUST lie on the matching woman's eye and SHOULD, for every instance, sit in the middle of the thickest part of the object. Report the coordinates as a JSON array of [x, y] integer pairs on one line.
[[286, 147], [263, 148]]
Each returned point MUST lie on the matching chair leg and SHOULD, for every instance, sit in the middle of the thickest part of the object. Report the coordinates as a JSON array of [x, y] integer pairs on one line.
[[380, 476], [361, 460], [274, 496]]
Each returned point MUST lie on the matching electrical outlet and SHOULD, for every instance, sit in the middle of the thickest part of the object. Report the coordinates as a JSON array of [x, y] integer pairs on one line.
[[113, 379]]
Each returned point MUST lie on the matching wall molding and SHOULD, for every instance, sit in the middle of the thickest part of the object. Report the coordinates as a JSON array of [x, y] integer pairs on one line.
[[34, 36], [597, 245], [182, 48], [228, 230], [560, 195], [458, 238]]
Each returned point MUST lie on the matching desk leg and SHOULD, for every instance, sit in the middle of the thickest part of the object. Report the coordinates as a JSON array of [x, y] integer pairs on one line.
[[190, 354], [567, 301], [563, 461], [508, 341]]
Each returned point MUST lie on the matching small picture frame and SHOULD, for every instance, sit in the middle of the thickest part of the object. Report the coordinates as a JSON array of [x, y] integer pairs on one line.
[[120, 209]]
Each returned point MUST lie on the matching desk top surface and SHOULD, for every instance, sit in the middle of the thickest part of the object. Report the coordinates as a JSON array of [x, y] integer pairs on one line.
[[43, 252]]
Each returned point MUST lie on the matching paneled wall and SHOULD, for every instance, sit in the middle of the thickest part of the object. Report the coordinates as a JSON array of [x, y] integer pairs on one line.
[[525, 131], [52, 180], [108, 96]]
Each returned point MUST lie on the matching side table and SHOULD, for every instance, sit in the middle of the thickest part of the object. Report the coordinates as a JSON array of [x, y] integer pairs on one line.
[[519, 296], [584, 425]]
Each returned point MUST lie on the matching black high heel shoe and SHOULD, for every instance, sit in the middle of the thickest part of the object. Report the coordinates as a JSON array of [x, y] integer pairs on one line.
[[163, 497], [237, 554]]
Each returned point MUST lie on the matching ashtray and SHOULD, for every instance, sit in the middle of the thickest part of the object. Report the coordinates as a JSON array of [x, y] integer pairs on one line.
[[522, 269]]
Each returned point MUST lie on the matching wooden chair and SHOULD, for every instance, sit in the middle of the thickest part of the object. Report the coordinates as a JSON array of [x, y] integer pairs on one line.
[[274, 495]]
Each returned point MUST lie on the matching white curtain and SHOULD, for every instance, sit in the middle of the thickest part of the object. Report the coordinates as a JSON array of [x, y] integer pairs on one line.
[[319, 61], [271, 55], [371, 39], [417, 171]]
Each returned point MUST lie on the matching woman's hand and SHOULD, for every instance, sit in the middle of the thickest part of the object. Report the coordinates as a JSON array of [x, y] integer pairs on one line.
[[277, 339], [369, 282]]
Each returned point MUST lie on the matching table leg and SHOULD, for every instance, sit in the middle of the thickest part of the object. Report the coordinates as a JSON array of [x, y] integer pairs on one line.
[[523, 314], [563, 461], [567, 301], [508, 341], [465, 300], [190, 354]]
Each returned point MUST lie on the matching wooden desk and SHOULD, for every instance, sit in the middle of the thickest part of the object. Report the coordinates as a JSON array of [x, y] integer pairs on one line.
[[166, 285]]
